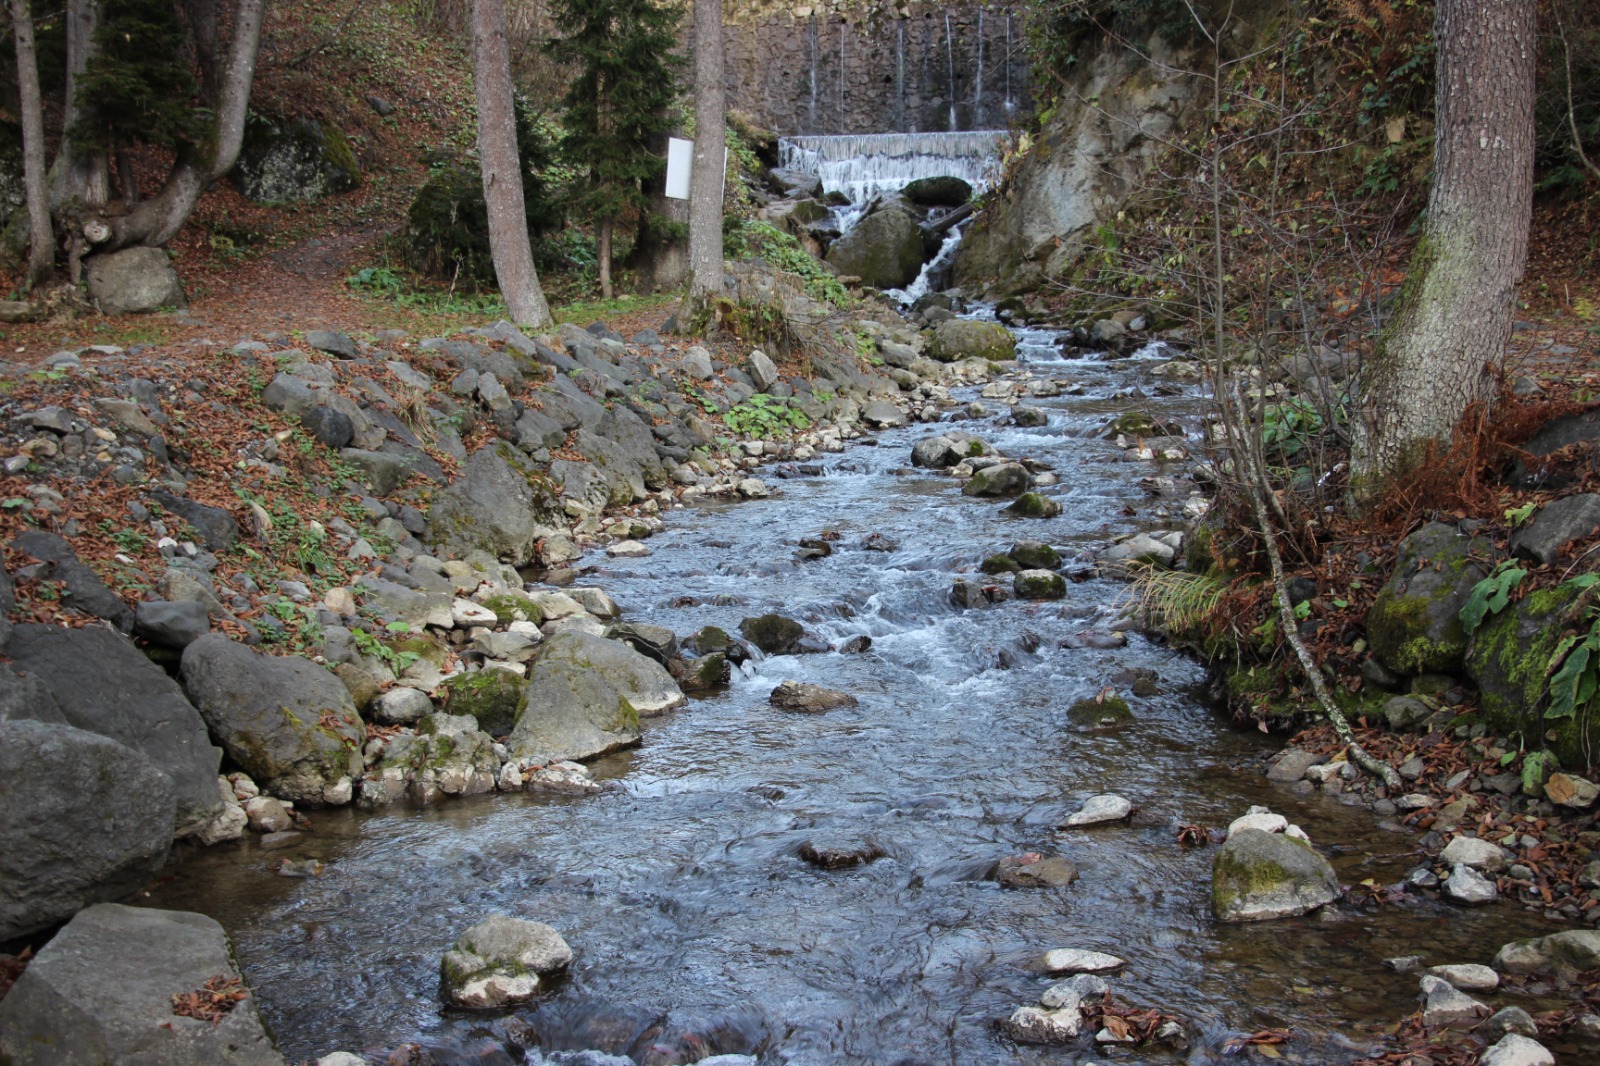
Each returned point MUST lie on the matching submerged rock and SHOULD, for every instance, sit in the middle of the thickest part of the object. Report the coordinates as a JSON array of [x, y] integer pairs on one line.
[[1571, 950], [807, 698], [1032, 870], [500, 960]]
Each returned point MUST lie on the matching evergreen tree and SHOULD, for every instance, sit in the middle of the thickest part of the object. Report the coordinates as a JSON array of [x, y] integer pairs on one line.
[[138, 86], [617, 108]]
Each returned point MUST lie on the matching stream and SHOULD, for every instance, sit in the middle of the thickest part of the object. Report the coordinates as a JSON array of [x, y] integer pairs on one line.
[[698, 928]]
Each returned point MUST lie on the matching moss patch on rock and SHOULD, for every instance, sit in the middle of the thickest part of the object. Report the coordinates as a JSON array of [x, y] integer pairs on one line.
[[492, 697]]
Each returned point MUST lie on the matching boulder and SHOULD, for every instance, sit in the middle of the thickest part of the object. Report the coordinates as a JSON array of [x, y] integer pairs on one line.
[[1035, 555], [491, 697], [946, 191], [571, 712], [1466, 885], [808, 698], [174, 624], [1079, 960], [287, 722], [499, 962], [1034, 505], [1097, 712], [1414, 625], [103, 684], [133, 281], [1442, 1004], [81, 587], [1258, 876], [962, 338], [1467, 976], [773, 634], [501, 505], [1564, 952], [217, 528], [1096, 810], [104, 991], [288, 161], [642, 681], [1039, 585], [449, 753], [1516, 1050], [86, 819], [885, 249], [1571, 518], [1473, 851], [1001, 479]]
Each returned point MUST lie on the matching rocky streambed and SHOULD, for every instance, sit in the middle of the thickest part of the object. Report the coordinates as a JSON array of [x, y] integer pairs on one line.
[[857, 850]]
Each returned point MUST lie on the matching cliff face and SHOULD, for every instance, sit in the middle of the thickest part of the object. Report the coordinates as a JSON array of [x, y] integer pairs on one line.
[[871, 66], [1101, 142]]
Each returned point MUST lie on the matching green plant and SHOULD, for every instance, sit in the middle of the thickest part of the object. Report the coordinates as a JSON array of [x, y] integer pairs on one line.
[[1288, 428], [763, 416], [369, 645], [750, 239], [131, 541], [1491, 595]]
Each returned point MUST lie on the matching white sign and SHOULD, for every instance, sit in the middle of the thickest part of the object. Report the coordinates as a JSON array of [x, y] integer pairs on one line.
[[680, 159]]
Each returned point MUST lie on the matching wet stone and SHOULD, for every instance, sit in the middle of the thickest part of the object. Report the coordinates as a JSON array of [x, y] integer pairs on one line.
[[829, 856], [1032, 870]]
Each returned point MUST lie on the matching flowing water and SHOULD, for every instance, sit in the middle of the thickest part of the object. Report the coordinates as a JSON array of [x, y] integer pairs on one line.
[[696, 924]]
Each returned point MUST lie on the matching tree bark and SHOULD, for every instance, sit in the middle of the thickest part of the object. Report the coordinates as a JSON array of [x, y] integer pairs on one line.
[[41, 239], [202, 19], [502, 168], [603, 253], [1438, 354], [79, 173], [707, 173], [157, 220]]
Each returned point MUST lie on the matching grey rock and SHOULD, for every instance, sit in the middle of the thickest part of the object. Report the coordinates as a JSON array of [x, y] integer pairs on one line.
[[1513, 1049], [329, 427], [643, 682], [1510, 1020], [86, 819], [571, 712], [1079, 960], [1442, 1004], [24, 697], [1564, 952], [1467, 976], [498, 505], [102, 992], [171, 623], [808, 698], [1139, 548], [1473, 851], [82, 588], [1568, 519], [1035, 871], [291, 395], [133, 281], [1023, 415], [773, 634], [1002, 479], [1258, 876], [762, 372], [105, 685], [1292, 765], [499, 960], [885, 249], [1466, 885], [883, 415], [293, 160], [402, 706], [961, 338], [381, 472], [218, 529], [1035, 1025], [1107, 807], [332, 342], [287, 722]]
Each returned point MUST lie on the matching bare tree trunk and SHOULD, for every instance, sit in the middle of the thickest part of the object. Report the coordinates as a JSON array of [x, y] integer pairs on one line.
[[157, 220], [79, 173], [1436, 357], [502, 169], [603, 253], [41, 239], [707, 174], [202, 19]]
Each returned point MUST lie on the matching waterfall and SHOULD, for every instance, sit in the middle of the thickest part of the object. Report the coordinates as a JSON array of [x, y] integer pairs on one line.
[[811, 39], [1011, 105], [977, 84], [900, 73], [864, 165], [950, 60], [842, 25]]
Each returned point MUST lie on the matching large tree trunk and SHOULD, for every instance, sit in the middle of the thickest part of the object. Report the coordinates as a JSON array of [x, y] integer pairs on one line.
[[41, 240], [202, 19], [603, 254], [79, 172], [502, 168], [707, 174], [157, 220], [1450, 329]]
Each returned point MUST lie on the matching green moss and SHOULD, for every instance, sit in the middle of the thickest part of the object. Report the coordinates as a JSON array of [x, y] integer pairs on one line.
[[1089, 712], [1233, 879], [492, 697], [425, 647], [507, 607], [1510, 661], [1396, 628], [1000, 564]]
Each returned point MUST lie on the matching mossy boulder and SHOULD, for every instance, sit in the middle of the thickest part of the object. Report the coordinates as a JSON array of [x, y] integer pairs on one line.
[[492, 697], [1000, 564], [1034, 505], [1414, 625], [1099, 712], [961, 338], [773, 633], [1258, 876], [707, 672], [1039, 585], [501, 504], [1035, 555], [1509, 662], [287, 161], [511, 607], [885, 249], [943, 191]]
